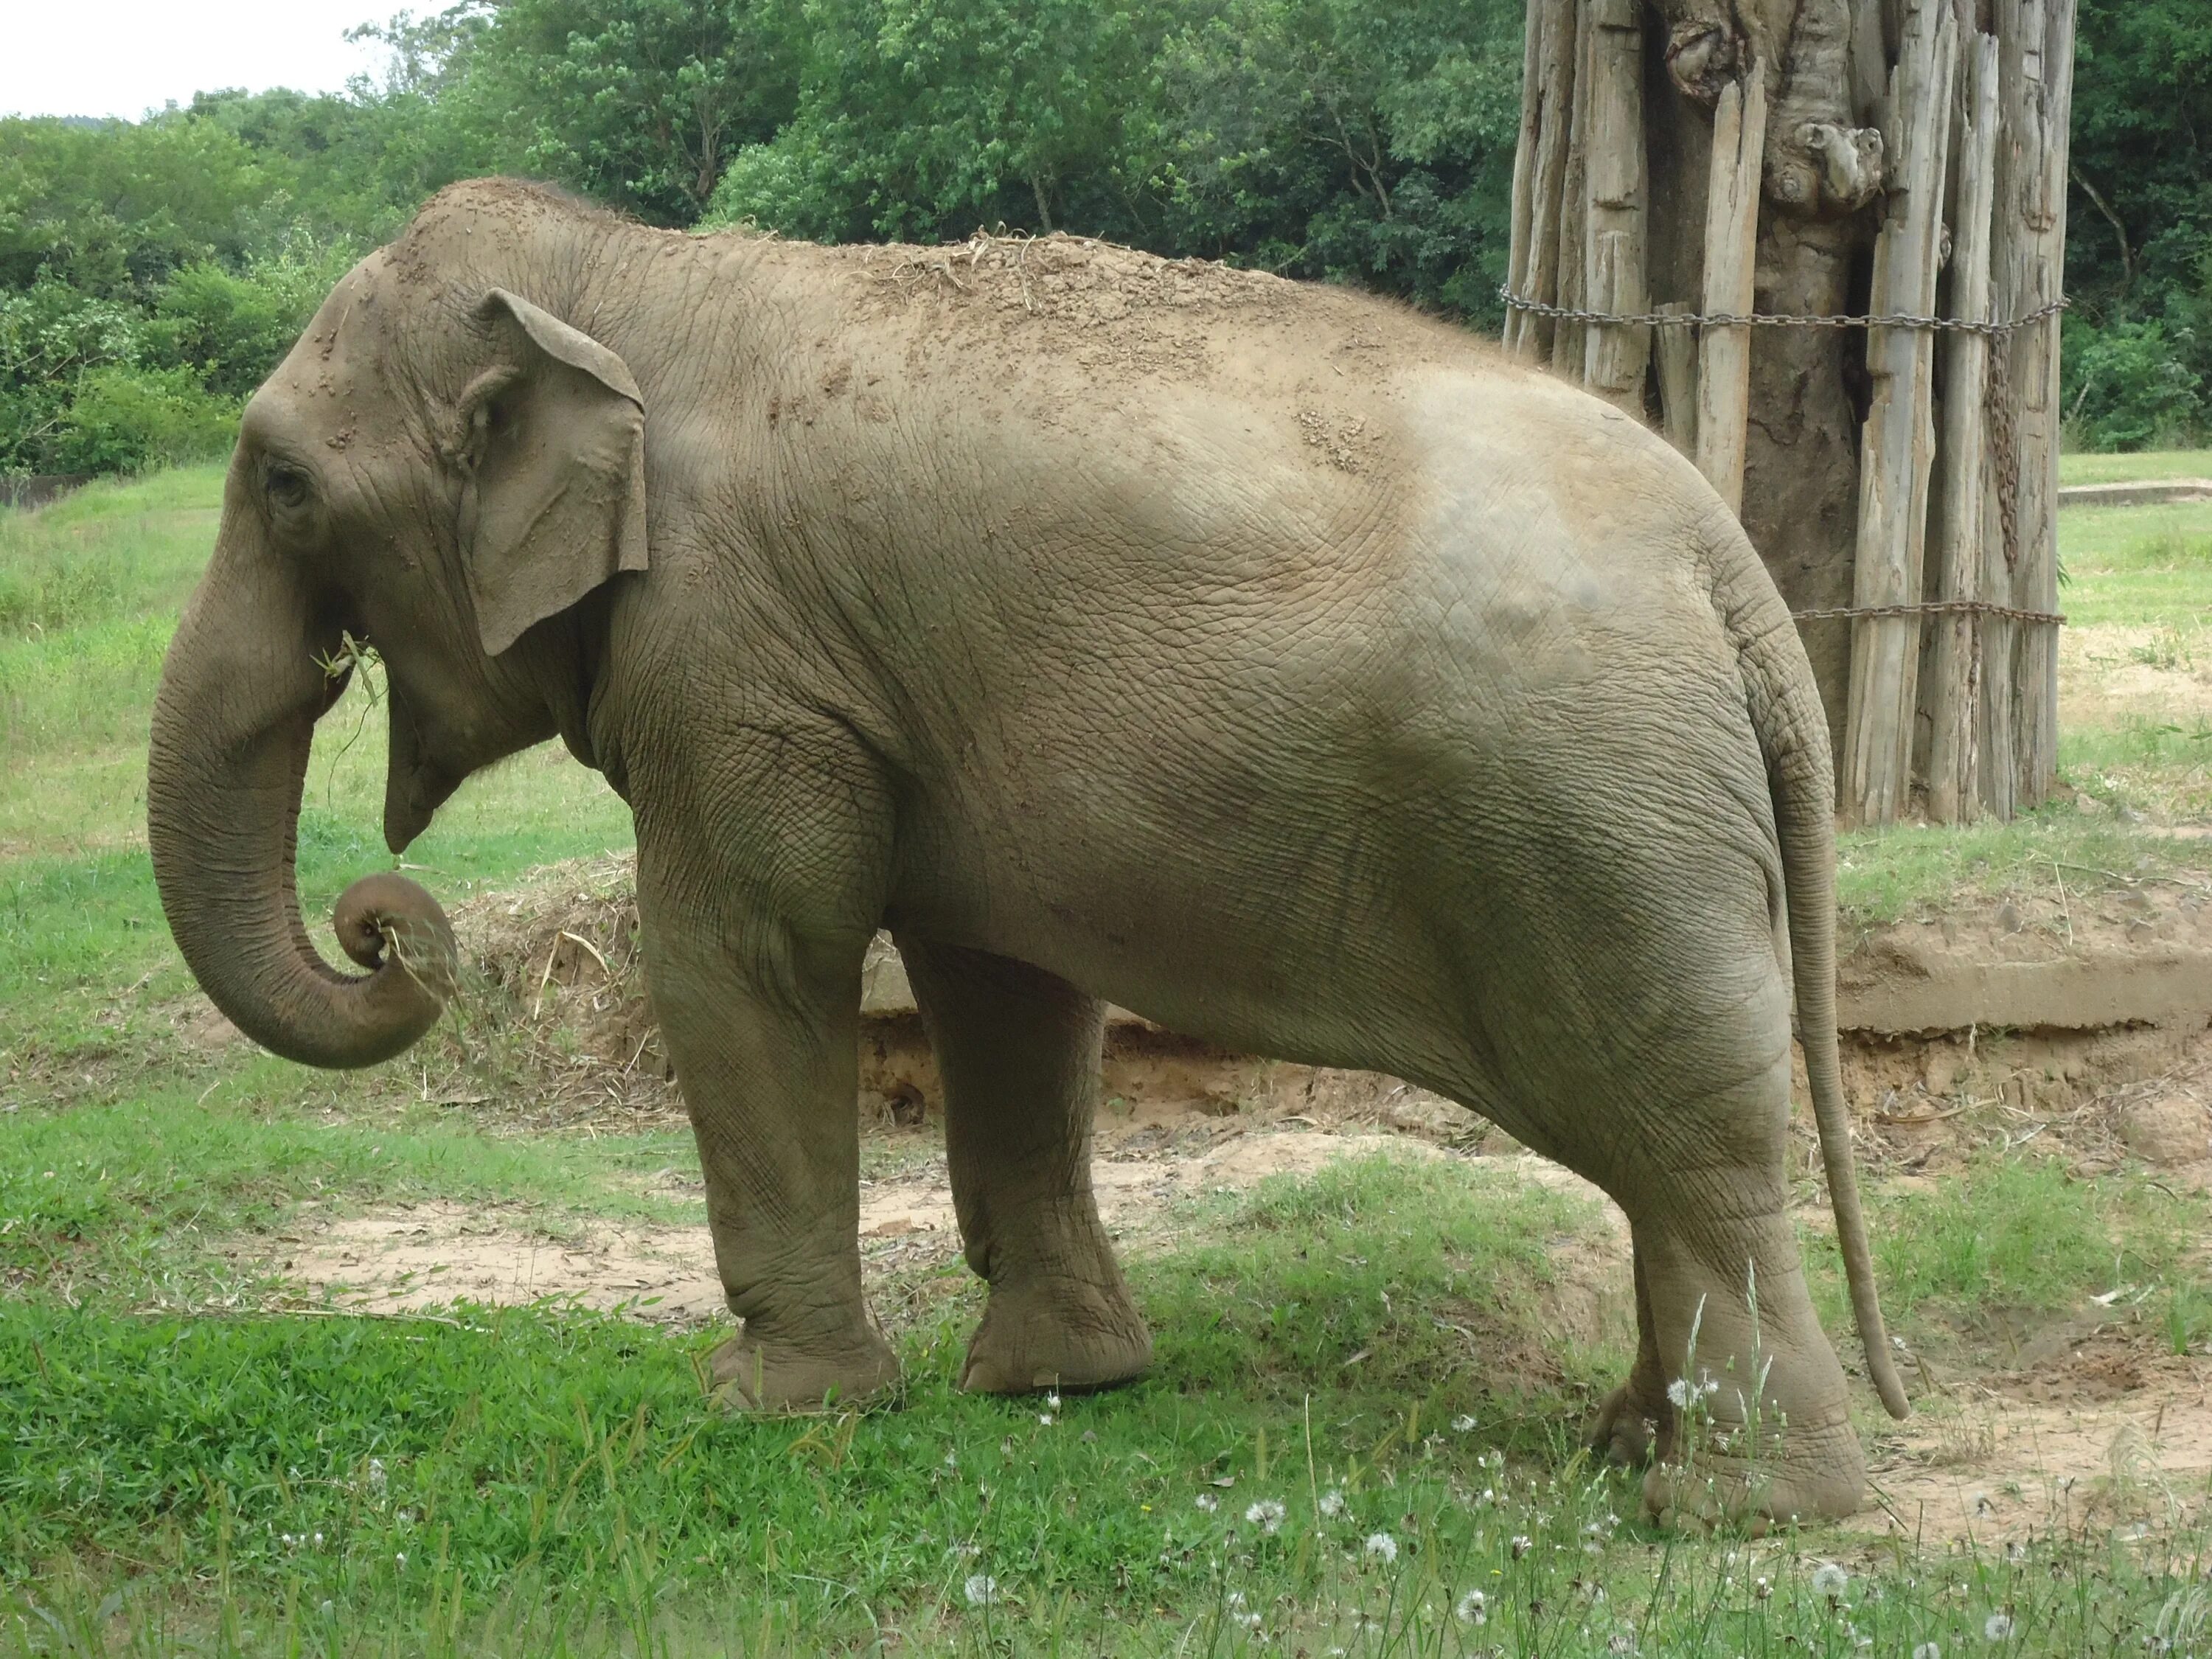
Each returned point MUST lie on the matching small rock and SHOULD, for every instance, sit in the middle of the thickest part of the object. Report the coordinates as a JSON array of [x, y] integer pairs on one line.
[[2173, 1129]]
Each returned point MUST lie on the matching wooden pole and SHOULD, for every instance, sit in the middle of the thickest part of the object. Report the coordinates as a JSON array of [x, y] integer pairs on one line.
[[1540, 271], [1898, 443], [1616, 356], [1675, 351], [2047, 78], [1574, 205], [1524, 169], [1731, 238], [1954, 676]]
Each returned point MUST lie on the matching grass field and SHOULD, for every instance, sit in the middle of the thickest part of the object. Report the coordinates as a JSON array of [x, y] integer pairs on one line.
[[1359, 1436]]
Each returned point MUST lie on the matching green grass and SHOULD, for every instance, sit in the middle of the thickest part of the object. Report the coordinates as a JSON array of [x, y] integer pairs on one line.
[[2080, 469], [532, 1480], [2020, 1234], [129, 1198], [2139, 567]]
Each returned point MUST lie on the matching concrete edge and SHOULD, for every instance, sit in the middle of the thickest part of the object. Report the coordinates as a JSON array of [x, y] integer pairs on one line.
[[2147, 492], [1894, 998]]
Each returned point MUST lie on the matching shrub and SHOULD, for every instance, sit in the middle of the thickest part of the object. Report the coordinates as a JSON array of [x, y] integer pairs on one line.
[[2129, 385], [123, 418], [232, 327]]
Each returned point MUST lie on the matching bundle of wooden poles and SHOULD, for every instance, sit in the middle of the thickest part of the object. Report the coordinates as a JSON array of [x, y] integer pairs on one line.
[[1959, 174]]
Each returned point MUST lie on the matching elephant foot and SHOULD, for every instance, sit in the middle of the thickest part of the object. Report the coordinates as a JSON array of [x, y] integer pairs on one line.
[[1630, 1425], [1057, 1334], [748, 1374], [1820, 1476]]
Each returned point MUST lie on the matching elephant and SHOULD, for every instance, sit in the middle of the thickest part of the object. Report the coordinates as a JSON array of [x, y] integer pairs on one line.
[[1269, 659]]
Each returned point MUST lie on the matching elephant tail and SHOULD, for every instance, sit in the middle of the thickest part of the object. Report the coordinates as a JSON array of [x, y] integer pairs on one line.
[[1792, 728]]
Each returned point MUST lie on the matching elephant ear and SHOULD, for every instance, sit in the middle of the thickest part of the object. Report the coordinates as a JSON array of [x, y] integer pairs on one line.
[[552, 441]]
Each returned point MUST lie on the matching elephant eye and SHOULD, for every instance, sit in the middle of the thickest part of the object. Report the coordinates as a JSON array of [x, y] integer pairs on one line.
[[288, 487]]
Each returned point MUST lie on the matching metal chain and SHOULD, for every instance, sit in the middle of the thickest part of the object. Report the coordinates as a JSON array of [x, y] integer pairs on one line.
[[2006, 456], [2004, 452], [1765, 320], [1931, 608]]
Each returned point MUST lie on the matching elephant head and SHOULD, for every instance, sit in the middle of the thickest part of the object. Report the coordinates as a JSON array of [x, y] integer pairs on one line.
[[441, 469]]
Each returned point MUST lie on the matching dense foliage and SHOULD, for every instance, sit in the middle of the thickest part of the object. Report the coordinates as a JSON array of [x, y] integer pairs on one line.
[[2139, 230], [151, 272]]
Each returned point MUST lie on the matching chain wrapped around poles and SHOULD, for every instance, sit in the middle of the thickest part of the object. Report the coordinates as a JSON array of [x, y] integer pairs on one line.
[[1772, 319], [1999, 395], [1933, 608]]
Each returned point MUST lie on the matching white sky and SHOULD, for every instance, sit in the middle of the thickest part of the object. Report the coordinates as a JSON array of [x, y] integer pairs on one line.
[[127, 56]]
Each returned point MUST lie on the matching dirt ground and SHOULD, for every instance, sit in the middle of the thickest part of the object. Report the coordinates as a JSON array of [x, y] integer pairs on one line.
[[2095, 1425]]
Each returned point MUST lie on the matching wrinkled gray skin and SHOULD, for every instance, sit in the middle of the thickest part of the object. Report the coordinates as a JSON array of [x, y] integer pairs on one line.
[[1264, 658]]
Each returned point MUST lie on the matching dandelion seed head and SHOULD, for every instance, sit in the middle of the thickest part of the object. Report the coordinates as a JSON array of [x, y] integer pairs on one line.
[[1381, 1547], [1521, 1544], [980, 1589], [1474, 1608], [1997, 1628], [1830, 1580], [1332, 1502], [1928, 1650], [1207, 1501], [1266, 1514]]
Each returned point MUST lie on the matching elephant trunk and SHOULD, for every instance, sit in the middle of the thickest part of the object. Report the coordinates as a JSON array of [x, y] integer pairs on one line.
[[232, 722]]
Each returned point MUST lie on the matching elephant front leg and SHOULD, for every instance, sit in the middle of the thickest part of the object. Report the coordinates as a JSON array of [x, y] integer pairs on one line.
[[765, 1040], [1018, 1051]]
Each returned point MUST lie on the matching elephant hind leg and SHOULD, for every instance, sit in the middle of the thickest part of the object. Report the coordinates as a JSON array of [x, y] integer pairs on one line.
[[1725, 1324], [1018, 1051], [1762, 1431], [1754, 1412], [1635, 1421]]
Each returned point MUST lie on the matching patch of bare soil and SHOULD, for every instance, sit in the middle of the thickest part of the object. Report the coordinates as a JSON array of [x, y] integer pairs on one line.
[[422, 1256], [2112, 1433], [2110, 673]]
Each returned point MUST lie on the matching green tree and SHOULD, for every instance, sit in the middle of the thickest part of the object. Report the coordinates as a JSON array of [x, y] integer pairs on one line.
[[2139, 231], [640, 103], [110, 208], [1367, 143], [928, 118]]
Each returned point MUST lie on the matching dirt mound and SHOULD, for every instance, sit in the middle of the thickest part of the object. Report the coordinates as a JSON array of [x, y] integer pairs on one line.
[[1073, 280]]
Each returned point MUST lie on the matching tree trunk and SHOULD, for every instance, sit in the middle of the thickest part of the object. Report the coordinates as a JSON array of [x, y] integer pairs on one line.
[[1898, 445], [1783, 220], [1953, 678]]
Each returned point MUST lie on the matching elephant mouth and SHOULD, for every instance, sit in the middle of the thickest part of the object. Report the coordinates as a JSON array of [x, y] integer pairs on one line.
[[416, 783], [410, 806]]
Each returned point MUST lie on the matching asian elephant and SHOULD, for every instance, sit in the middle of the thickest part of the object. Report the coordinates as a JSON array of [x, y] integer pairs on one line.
[[1266, 659]]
